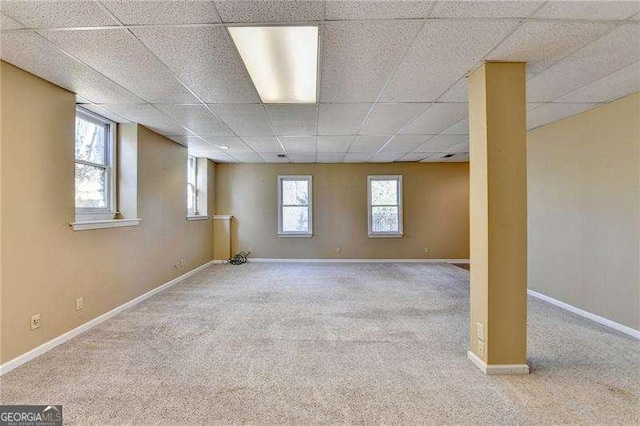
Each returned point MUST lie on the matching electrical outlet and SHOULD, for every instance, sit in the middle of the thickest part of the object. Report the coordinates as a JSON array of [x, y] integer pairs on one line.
[[35, 321], [480, 347], [181, 263], [480, 331], [79, 304], [426, 250]]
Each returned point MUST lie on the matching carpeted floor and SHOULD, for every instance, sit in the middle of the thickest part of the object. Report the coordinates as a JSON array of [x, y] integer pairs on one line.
[[326, 343]]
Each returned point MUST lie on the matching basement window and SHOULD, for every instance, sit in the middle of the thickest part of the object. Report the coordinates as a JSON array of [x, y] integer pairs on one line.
[[196, 188], [295, 200], [384, 195]]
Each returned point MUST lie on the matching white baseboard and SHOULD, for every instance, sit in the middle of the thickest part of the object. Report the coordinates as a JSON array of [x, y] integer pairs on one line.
[[340, 260], [47, 346], [593, 317], [497, 369]]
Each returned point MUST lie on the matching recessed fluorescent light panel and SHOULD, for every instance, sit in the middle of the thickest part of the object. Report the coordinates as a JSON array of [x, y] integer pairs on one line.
[[282, 61]]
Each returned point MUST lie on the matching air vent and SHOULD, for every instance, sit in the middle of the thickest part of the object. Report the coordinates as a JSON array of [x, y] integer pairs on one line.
[[282, 155], [447, 156]]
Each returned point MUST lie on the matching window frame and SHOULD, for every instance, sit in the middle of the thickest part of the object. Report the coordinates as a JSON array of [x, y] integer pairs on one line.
[[196, 211], [399, 197], [110, 167], [309, 179]]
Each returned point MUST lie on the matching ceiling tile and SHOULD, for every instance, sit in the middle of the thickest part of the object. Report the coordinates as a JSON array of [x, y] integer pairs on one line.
[[293, 120], [341, 119], [609, 88], [57, 14], [273, 157], [192, 142], [441, 143], [302, 158], [459, 92], [149, 117], [233, 143], [462, 157], [588, 9], [351, 157], [299, 144], [414, 156], [269, 11], [110, 115], [461, 147], [368, 143], [460, 128], [435, 157], [387, 119], [7, 23], [196, 118], [330, 157], [436, 118], [370, 9], [263, 143], [484, 9], [616, 50], [443, 52], [217, 156], [540, 44], [404, 143], [205, 59], [157, 12], [334, 143], [549, 113], [244, 119], [36, 55], [247, 157], [358, 57], [122, 58], [385, 157]]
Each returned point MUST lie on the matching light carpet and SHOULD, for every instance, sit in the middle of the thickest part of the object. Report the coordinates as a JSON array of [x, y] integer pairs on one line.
[[326, 343]]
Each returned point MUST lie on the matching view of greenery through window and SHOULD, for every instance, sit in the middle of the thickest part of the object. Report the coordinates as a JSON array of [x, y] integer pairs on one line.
[[295, 203], [384, 205], [91, 175]]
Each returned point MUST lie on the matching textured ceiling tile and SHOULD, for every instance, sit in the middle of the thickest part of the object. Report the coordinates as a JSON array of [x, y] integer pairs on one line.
[[299, 144], [269, 11], [330, 157], [196, 118], [549, 113], [119, 56], [57, 14], [437, 118], [334, 143], [588, 9], [263, 143], [356, 157], [484, 9], [616, 50], [541, 44], [302, 158], [368, 143], [295, 120], [149, 117], [156, 12], [110, 115], [217, 156], [245, 120], [440, 143], [442, 53], [413, 156], [613, 86], [274, 157], [7, 23], [341, 119], [247, 157], [435, 157], [232, 143], [387, 119], [461, 147], [459, 158], [358, 57], [370, 9], [205, 59], [193, 142], [404, 143], [385, 157], [460, 128], [459, 92], [38, 56]]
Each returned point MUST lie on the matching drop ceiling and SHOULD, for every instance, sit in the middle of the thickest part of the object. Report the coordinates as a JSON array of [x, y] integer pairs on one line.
[[392, 74]]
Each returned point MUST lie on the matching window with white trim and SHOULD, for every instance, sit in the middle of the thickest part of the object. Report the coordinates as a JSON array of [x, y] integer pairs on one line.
[[295, 200], [95, 159], [385, 205], [192, 186]]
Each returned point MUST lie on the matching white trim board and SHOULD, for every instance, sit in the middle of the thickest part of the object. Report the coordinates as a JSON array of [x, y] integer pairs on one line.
[[495, 369], [593, 317], [47, 346], [339, 260]]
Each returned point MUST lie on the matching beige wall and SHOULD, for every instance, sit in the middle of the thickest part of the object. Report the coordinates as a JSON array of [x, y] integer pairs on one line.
[[584, 210], [436, 210], [45, 264]]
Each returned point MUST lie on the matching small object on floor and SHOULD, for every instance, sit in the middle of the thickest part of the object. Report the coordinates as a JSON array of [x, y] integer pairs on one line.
[[240, 258]]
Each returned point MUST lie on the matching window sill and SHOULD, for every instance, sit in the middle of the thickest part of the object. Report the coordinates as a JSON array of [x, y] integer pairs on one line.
[[296, 235], [198, 217], [386, 235], [99, 224]]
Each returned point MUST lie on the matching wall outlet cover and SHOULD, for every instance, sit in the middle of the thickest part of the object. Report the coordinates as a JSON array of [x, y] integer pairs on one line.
[[35, 321], [79, 303]]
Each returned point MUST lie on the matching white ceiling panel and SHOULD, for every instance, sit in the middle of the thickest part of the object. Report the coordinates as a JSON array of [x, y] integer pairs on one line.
[[302, 158], [233, 143], [443, 52], [609, 88], [485, 9], [461, 147], [57, 14], [542, 43], [330, 157], [334, 143], [217, 156], [274, 157], [341, 119], [110, 115], [437, 118], [158, 12], [615, 50], [247, 157], [33, 53], [192, 142], [368, 143], [460, 128], [387, 119], [245, 119], [373, 9], [269, 11], [435, 157], [196, 118], [549, 113], [205, 59], [299, 144], [459, 92], [7, 23], [121, 57], [588, 9], [149, 117], [385, 157], [263, 143], [441, 143], [356, 157], [404, 143], [358, 57], [294, 120], [414, 156], [462, 157]]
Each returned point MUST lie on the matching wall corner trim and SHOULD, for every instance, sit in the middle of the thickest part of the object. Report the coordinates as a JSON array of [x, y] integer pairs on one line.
[[593, 317], [498, 369], [47, 346]]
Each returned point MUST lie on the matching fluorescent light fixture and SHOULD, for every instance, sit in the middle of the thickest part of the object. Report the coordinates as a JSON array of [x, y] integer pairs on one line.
[[282, 61], [223, 147]]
